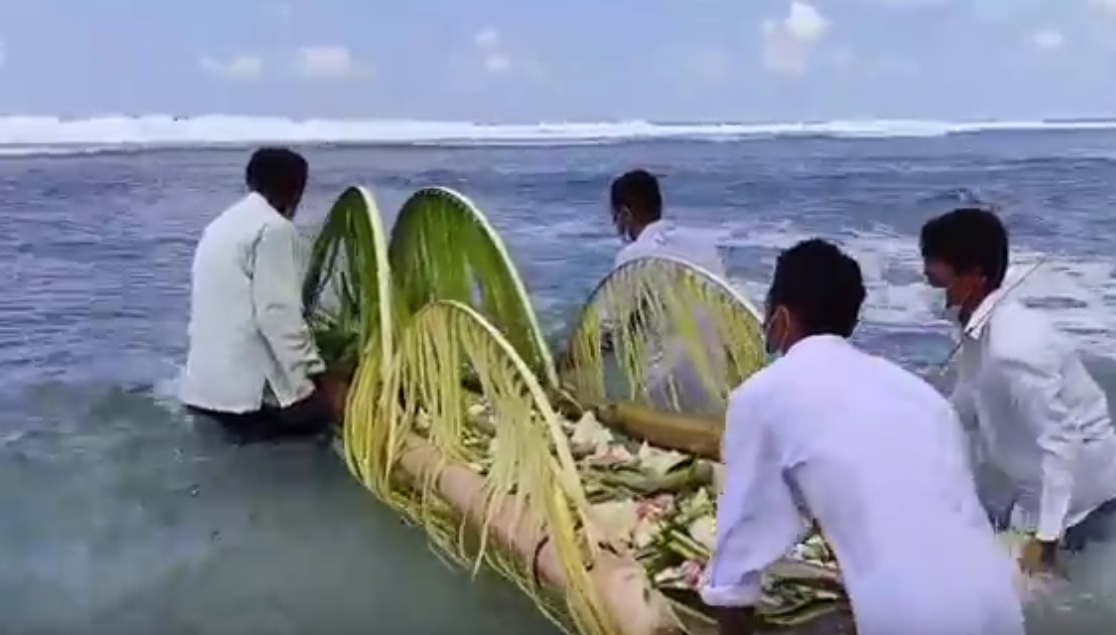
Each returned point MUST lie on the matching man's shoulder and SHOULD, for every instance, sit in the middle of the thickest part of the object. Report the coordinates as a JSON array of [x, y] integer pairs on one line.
[[248, 218], [1016, 331], [755, 389]]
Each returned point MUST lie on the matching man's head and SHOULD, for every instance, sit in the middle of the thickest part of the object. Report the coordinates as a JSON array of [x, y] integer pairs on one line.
[[964, 253], [816, 290], [636, 203], [279, 175]]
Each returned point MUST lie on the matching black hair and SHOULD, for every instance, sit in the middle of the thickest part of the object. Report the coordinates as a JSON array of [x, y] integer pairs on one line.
[[821, 286], [278, 174], [969, 240], [638, 190]]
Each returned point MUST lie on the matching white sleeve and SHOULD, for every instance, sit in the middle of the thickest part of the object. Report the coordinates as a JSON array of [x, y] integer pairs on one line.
[[962, 400], [1032, 375], [757, 520], [276, 298], [964, 406]]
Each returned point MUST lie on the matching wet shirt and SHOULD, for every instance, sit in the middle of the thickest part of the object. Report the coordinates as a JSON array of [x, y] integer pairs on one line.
[[247, 334], [1037, 415], [875, 456]]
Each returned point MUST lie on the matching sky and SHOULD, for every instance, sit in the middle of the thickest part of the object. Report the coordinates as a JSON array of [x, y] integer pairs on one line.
[[575, 60]]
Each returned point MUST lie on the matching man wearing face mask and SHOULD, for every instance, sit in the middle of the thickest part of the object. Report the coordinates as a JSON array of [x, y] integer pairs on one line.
[[870, 452], [252, 364], [636, 204], [1035, 412], [637, 215]]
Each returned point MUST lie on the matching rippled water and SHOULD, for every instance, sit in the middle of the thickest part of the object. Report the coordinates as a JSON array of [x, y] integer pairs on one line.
[[119, 515]]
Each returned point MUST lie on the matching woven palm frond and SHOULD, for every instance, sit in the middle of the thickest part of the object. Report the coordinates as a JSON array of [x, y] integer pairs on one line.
[[348, 296], [423, 403], [443, 248], [681, 338]]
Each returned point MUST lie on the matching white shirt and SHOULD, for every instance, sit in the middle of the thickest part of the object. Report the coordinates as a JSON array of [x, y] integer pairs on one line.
[[1037, 415], [247, 332], [669, 363], [664, 238], [874, 454]]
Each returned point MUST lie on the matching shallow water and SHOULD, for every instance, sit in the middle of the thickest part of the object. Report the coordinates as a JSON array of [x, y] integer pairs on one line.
[[120, 515]]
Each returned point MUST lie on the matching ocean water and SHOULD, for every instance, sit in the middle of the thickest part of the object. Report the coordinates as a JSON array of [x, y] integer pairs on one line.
[[120, 515]]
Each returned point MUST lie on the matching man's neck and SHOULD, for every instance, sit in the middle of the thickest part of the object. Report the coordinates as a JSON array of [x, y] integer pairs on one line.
[[970, 307], [639, 229]]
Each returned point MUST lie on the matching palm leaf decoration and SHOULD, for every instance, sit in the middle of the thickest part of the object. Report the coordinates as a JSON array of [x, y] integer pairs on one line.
[[435, 322], [424, 403], [443, 248], [348, 296], [661, 310]]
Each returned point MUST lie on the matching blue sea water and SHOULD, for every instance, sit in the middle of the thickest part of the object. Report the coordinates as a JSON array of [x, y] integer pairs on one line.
[[119, 515]]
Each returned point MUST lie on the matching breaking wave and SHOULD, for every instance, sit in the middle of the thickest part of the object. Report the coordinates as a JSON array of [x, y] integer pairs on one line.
[[33, 135]]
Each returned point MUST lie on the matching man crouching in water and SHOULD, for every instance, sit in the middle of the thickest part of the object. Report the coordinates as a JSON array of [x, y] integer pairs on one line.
[[867, 450], [252, 364]]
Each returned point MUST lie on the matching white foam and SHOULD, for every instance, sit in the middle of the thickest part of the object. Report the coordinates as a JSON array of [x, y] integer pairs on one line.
[[1079, 294], [38, 134]]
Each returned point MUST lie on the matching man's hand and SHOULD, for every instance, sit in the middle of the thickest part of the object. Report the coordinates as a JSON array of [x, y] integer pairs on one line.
[[336, 391], [1037, 556]]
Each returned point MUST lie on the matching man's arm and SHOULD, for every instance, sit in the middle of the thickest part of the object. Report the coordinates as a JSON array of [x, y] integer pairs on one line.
[[757, 521], [962, 401], [276, 296], [1032, 375]]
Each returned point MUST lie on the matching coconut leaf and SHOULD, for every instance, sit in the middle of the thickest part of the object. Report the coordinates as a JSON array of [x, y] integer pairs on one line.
[[423, 396], [658, 311], [443, 248]]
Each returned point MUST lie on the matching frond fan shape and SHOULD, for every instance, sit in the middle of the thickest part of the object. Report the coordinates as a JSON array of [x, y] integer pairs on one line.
[[515, 444], [682, 338], [443, 248], [348, 296]]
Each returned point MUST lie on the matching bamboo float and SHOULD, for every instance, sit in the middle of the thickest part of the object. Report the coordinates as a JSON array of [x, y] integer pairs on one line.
[[619, 581], [694, 435]]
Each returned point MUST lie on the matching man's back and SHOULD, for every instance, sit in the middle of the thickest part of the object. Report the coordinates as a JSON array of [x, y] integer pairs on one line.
[[1022, 380], [665, 238], [244, 293], [877, 457]]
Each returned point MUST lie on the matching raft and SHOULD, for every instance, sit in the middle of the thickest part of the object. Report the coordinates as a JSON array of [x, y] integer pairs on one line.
[[592, 497]]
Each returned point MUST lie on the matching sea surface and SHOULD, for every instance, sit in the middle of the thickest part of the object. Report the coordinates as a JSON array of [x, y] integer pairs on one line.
[[120, 515]]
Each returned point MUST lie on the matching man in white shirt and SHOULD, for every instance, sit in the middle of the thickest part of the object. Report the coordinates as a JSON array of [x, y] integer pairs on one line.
[[252, 363], [829, 434], [637, 214], [1037, 416], [636, 204]]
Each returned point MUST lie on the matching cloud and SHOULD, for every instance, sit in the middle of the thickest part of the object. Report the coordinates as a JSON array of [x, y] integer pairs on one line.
[[1048, 39], [490, 46], [488, 38], [329, 61], [239, 67], [788, 43]]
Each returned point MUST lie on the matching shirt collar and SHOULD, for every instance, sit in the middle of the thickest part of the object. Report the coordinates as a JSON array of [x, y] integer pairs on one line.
[[814, 342], [652, 231], [255, 198], [982, 314]]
